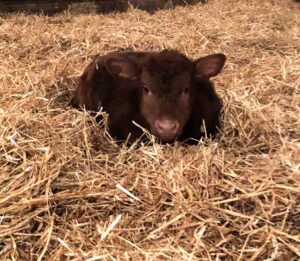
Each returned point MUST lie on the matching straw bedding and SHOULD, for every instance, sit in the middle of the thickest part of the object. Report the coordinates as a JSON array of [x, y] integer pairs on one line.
[[68, 192]]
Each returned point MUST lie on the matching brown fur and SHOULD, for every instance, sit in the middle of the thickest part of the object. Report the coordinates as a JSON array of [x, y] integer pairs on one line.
[[164, 92]]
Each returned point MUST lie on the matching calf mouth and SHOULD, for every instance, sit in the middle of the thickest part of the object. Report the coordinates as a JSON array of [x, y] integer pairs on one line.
[[167, 137]]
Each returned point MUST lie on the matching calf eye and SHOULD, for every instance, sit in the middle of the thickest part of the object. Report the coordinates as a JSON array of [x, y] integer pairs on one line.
[[186, 91], [145, 89]]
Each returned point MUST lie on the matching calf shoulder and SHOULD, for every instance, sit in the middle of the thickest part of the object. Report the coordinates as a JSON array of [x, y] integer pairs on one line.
[[93, 86], [205, 116]]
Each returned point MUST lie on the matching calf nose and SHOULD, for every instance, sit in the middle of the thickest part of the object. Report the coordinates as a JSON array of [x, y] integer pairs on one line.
[[166, 126]]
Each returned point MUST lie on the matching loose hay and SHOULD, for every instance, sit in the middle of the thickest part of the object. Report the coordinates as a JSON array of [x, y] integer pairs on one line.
[[68, 192]]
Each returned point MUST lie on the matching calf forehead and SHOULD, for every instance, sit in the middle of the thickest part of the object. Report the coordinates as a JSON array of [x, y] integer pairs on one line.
[[167, 73], [168, 61], [166, 82]]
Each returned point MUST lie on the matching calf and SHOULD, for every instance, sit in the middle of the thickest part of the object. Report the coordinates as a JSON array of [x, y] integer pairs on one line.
[[164, 92]]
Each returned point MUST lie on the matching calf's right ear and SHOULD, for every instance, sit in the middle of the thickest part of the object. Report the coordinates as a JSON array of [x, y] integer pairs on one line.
[[209, 66], [122, 68]]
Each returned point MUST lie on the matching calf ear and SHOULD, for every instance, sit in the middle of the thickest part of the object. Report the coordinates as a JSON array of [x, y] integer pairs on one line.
[[209, 66], [122, 67]]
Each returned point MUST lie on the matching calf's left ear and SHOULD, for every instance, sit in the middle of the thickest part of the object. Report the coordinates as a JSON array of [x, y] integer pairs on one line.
[[122, 67], [209, 66]]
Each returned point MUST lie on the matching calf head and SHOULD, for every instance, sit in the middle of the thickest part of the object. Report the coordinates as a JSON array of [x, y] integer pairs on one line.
[[167, 83]]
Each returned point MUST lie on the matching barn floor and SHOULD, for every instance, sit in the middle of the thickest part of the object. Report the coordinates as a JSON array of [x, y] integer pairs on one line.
[[64, 183]]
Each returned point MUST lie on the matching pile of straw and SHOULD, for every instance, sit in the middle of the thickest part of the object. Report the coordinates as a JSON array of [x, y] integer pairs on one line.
[[68, 192]]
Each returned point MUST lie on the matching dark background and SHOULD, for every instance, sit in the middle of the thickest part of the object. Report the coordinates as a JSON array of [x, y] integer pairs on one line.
[[51, 7]]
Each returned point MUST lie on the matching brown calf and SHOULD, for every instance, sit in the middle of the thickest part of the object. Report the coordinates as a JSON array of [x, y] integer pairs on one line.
[[164, 92]]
